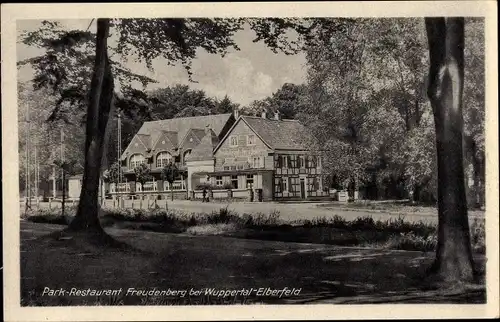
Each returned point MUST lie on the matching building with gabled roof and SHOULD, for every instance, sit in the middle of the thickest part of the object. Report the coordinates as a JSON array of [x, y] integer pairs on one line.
[[226, 151]]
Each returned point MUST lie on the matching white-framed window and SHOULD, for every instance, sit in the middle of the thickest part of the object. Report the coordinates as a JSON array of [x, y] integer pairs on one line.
[[234, 182], [257, 162], [233, 140], [251, 139], [302, 162], [218, 181], [162, 159], [311, 161], [284, 185], [136, 160], [249, 180]]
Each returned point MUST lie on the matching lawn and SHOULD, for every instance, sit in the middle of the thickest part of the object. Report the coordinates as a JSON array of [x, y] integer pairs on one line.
[[181, 261], [393, 233]]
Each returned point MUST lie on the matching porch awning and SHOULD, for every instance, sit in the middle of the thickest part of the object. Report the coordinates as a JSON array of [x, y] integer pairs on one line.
[[230, 172]]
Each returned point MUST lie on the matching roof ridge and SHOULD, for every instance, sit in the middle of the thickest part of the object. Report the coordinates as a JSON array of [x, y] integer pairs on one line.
[[188, 117], [275, 120]]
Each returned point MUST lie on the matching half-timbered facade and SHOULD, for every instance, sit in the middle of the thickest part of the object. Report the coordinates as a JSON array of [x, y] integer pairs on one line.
[[243, 155]]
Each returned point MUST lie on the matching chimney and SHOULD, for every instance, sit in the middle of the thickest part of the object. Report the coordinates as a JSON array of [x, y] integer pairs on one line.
[[264, 115], [277, 115], [236, 113]]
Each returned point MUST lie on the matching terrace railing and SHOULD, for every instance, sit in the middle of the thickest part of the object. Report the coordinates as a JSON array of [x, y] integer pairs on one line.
[[123, 187]]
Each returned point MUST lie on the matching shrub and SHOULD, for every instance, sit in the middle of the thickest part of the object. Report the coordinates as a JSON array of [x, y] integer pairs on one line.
[[205, 185], [223, 216], [363, 223], [411, 241]]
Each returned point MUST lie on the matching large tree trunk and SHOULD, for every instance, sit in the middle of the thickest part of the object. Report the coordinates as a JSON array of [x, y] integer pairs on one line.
[[100, 101], [446, 48]]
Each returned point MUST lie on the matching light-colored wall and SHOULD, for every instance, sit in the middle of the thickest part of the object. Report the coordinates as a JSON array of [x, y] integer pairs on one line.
[[243, 152], [74, 188], [197, 166]]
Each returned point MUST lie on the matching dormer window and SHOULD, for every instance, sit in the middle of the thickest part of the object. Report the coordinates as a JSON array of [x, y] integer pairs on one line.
[[136, 160], [233, 140], [163, 159], [251, 139]]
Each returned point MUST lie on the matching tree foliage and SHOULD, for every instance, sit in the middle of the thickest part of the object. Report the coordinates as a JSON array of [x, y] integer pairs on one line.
[[287, 101], [143, 173]]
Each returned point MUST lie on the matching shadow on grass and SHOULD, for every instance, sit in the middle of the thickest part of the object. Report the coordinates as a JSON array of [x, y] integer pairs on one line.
[[178, 262]]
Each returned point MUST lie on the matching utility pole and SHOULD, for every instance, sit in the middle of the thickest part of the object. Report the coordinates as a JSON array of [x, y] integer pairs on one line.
[[36, 171], [119, 145], [62, 172], [54, 188], [28, 185]]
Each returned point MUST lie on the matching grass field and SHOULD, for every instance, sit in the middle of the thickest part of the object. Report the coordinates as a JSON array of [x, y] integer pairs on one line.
[[362, 231]]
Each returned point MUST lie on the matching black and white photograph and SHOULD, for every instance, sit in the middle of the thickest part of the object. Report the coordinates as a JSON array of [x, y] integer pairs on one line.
[[213, 159]]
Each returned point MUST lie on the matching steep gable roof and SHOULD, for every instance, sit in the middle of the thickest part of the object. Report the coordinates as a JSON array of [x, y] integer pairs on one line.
[[277, 134], [281, 134], [145, 139], [204, 150], [183, 124], [176, 129], [196, 133], [170, 139]]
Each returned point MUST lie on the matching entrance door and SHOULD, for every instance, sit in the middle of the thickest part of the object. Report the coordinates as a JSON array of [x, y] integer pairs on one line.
[[302, 189]]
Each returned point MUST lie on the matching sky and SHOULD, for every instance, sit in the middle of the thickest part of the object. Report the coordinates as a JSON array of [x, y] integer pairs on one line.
[[252, 73]]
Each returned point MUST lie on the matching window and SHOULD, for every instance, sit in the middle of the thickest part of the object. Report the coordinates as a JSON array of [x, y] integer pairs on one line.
[[292, 161], [311, 161], [285, 161], [277, 161], [278, 184], [234, 182], [302, 163], [163, 159], [136, 160], [294, 184], [218, 181], [257, 162], [281, 185], [226, 168], [249, 180], [251, 139], [233, 140]]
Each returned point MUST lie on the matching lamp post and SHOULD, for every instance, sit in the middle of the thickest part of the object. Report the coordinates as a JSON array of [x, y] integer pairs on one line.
[[27, 175], [119, 146]]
